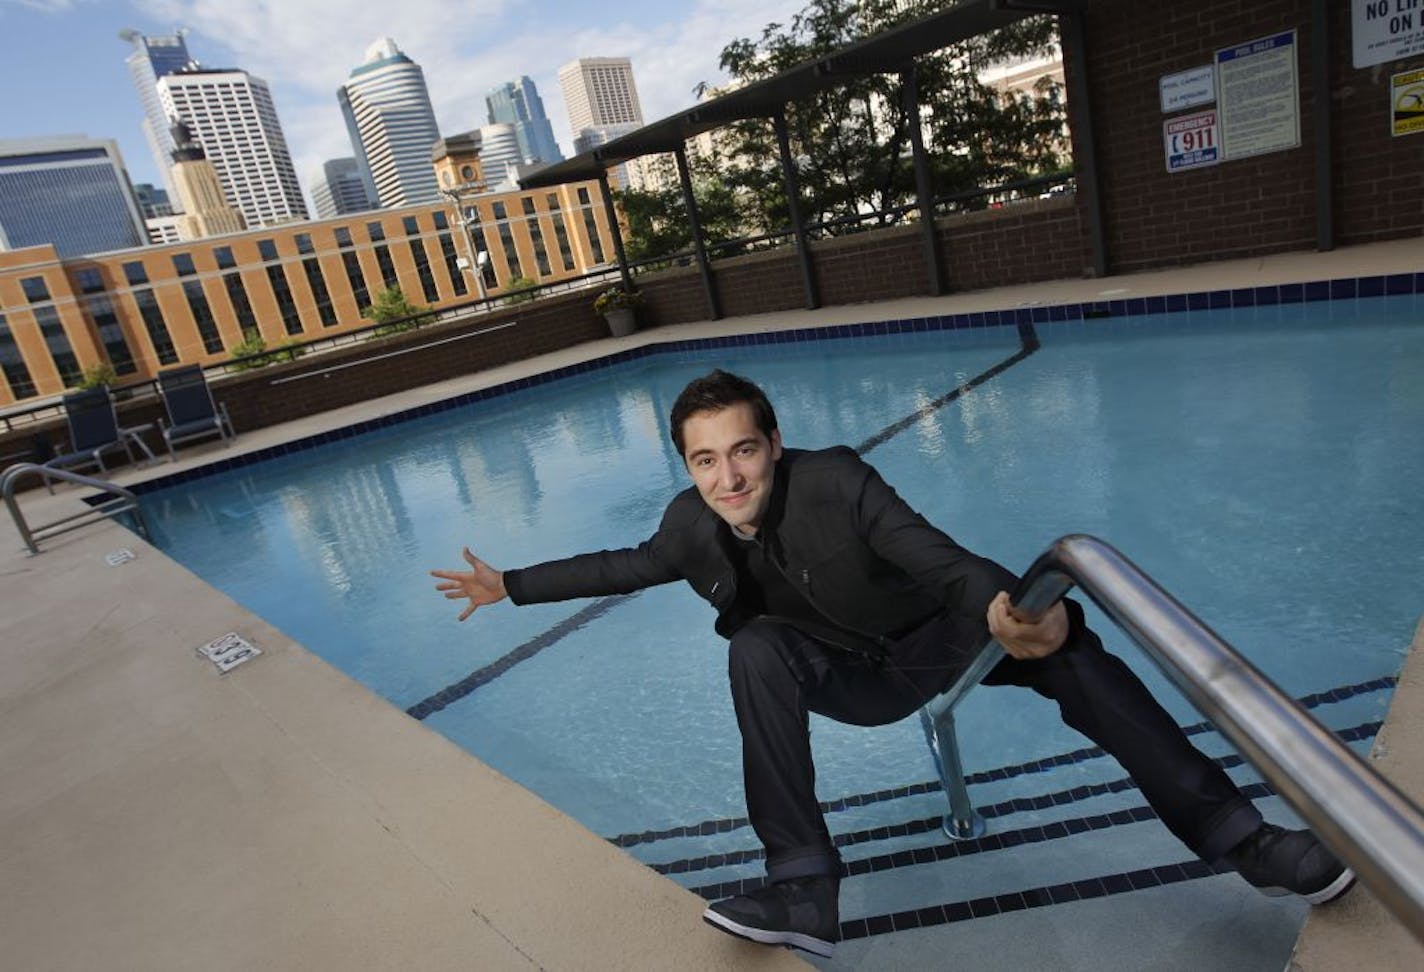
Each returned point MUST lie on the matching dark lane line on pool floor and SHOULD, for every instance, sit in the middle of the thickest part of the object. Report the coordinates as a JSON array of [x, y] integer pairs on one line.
[[458, 690], [726, 824], [1002, 840]]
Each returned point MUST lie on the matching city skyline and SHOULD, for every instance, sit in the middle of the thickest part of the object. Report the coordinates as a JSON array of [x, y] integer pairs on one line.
[[306, 49]]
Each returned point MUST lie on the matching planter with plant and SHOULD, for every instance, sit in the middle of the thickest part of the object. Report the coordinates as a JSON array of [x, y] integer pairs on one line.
[[619, 308]]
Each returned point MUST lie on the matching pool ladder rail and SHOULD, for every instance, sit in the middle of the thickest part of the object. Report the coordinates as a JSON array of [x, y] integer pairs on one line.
[[1373, 827], [119, 501]]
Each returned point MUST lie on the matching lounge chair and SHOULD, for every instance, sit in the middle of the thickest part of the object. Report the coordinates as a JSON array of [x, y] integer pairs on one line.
[[192, 413], [93, 430]]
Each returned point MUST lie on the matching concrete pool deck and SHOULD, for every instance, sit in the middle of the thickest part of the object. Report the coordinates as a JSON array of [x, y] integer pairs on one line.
[[157, 815]]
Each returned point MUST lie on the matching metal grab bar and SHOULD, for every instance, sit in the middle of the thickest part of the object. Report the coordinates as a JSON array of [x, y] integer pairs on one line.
[[1376, 830], [120, 501]]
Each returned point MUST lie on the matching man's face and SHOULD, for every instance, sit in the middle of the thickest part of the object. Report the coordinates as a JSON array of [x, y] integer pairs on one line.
[[732, 463]]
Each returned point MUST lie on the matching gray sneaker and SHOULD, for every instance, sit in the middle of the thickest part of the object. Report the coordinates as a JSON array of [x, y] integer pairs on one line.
[[1279, 862], [802, 913]]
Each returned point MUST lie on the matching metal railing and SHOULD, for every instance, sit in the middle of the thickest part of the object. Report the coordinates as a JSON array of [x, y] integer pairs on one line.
[[120, 501], [1375, 829]]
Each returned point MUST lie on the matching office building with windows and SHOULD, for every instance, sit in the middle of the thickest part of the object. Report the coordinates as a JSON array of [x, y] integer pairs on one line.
[[193, 302], [234, 121], [67, 190], [153, 58], [518, 103], [341, 190], [599, 91], [392, 125]]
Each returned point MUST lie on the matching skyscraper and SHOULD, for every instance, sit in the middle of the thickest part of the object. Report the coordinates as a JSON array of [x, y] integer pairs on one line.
[[392, 125], [518, 103], [499, 149], [69, 190], [599, 91], [341, 190], [233, 120], [206, 211], [151, 59]]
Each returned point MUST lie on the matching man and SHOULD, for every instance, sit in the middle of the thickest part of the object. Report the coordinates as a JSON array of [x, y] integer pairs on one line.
[[840, 599]]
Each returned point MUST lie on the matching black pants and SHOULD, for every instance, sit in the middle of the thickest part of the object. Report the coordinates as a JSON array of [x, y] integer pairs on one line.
[[780, 674]]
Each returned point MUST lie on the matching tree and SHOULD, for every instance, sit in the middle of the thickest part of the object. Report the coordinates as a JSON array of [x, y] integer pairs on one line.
[[391, 309], [658, 223], [851, 142]]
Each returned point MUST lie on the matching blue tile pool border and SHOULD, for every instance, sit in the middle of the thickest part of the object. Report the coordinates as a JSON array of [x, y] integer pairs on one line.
[[1340, 289]]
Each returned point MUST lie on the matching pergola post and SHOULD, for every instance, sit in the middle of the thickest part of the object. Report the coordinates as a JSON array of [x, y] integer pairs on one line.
[[1320, 80], [924, 194], [793, 200], [1075, 45], [613, 228], [714, 306]]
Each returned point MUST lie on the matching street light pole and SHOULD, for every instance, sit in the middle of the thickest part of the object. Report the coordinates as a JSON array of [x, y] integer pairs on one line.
[[478, 257]]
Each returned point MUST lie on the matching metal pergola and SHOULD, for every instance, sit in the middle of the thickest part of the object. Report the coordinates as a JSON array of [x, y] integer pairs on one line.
[[892, 52]]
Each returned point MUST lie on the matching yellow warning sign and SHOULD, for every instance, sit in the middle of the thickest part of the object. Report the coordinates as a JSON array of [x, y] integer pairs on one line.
[[1407, 97]]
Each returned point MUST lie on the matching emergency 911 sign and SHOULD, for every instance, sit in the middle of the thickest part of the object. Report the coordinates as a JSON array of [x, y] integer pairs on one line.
[[1192, 141]]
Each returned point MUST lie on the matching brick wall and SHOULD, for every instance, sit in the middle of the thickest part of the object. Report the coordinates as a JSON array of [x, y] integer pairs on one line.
[[1250, 206]]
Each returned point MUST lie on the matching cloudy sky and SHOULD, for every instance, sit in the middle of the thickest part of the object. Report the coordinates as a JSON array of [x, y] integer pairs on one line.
[[63, 66]]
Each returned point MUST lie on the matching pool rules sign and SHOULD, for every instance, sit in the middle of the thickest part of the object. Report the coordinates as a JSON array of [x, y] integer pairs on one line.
[[1191, 141]]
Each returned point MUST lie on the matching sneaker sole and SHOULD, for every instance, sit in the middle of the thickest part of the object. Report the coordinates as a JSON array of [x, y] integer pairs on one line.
[[1329, 893], [1334, 889], [807, 943]]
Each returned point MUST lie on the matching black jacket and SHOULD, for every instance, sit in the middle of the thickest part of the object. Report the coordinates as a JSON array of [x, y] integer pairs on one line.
[[865, 560]]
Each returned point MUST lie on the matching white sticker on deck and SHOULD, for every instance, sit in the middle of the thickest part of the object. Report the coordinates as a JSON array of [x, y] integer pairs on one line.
[[229, 651]]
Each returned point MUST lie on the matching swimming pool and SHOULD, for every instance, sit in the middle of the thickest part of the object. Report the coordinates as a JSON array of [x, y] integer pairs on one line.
[[1259, 463]]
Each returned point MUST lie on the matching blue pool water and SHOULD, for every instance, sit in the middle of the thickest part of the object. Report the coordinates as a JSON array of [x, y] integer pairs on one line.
[[1262, 464]]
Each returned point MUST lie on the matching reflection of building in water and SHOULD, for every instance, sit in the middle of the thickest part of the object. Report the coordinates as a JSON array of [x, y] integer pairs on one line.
[[354, 517], [493, 470]]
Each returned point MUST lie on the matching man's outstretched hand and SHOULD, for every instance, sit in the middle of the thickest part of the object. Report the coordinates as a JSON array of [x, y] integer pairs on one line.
[[1026, 639], [482, 584]]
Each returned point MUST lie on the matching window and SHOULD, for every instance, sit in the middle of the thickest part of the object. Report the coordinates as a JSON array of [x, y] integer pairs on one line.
[[183, 263], [590, 226], [291, 317], [354, 276], [135, 273], [35, 289], [322, 296], [223, 255], [203, 316], [383, 256], [111, 333], [90, 280], [452, 263], [506, 237], [541, 255], [561, 232], [56, 340], [241, 306], [421, 258], [12, 363], [304, 243], [267, 249], [440, 221], [157, 328]]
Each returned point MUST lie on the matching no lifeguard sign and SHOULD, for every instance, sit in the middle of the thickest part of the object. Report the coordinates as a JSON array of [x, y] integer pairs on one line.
[[1191, 141]]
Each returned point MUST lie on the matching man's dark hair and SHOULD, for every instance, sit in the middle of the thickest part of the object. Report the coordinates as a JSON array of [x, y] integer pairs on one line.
[[714, 392]]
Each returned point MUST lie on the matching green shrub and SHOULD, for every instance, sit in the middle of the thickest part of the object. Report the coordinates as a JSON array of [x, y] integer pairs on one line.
[[521, 290], [96, 376], [396, 314], [254, 344]]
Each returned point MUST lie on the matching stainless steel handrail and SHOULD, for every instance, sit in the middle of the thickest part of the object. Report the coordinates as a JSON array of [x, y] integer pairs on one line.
[[1371, 825], [120, 501]]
